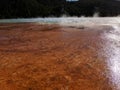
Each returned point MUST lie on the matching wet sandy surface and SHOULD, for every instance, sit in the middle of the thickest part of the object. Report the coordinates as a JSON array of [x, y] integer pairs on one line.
[[52, 57]]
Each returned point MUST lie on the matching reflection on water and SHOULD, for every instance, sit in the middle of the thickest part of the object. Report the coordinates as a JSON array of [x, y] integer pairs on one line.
[[112, 44], [112, 50]]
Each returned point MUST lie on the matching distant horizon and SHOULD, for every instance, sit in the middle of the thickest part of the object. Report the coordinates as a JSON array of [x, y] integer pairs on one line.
[[72, 0]]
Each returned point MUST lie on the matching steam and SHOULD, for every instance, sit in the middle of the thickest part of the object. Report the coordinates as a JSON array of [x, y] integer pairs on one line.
[[96, 14]]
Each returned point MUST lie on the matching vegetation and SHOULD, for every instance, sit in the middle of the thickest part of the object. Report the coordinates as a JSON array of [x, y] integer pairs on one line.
[[44, 8]]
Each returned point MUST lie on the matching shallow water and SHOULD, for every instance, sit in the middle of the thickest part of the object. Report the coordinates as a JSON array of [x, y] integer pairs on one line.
[[111, 45], [67, 20], [112, 52]]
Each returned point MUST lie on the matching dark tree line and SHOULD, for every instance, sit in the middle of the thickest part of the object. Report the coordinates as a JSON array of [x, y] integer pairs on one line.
[[44, 8]]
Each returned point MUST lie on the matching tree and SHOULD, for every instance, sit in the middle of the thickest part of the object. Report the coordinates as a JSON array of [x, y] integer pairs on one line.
[[44, 8]]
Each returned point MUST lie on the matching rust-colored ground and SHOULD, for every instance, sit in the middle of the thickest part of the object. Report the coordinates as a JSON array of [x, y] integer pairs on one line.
[[52, 57]]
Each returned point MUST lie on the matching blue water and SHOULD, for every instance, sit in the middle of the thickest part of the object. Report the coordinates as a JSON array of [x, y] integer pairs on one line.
[[42, 20]]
